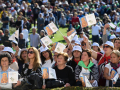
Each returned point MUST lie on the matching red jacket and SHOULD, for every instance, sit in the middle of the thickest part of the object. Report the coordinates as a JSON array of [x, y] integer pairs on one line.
[[74, 20]]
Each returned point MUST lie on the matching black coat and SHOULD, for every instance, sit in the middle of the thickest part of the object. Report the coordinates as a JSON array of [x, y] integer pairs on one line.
[[21, 43], [72, 63]]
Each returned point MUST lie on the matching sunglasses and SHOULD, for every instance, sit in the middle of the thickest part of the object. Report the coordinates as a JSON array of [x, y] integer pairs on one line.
[[83, 44], [31, 52], [106, 46]]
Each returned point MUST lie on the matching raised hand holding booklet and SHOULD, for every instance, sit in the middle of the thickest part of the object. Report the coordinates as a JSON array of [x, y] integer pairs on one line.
[[50, 28], [9, 77], [60, 47], [87, 20], [46, 41], [48, 73]]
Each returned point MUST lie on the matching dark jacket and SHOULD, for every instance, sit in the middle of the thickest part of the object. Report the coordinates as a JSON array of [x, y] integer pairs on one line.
[[5, 41], [21, 43], [72, 63]]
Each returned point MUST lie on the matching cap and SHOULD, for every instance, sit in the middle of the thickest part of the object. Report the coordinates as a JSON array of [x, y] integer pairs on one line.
[[77, 42], [78, 48], [8, 49], [109, 43], [12, 8], [112, 37], [15, 42], [95, 44], [42, 49]]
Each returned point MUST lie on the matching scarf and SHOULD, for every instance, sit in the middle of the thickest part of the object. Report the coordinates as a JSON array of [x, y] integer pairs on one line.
[[81, 63], [115, 66], [104, 60], [77, 61]]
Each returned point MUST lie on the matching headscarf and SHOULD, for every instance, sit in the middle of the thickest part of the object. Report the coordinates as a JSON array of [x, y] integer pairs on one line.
[[41, 15]]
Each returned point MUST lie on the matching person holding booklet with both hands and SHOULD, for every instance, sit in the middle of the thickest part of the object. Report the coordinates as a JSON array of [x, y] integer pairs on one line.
[[5, 60], [112, 68]]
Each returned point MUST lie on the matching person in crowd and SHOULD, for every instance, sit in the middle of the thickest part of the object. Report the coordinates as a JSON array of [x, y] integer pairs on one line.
[[16, 49], [114, 64], [42, 33], [46, 57], [5, 60], [76, 57], [33, 68], [19, 24], [5, 39], [5, 21], [34, 38], [86, 68], [40, 23], [96, 47], [21, 41], [117, 44], [25, 35], [1, 47], [75, 19], [62, 21], [51, 18], [1, 35], [26, 23]]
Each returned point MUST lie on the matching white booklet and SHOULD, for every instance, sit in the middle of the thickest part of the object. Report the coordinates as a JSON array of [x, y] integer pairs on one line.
[[9, 77], [53, 27], [46, 41], [48, 73], [59, 48], [112, 25], [71, 36]]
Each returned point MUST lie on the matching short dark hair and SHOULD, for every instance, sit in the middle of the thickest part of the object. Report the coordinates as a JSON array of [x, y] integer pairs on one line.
[[5, 54]]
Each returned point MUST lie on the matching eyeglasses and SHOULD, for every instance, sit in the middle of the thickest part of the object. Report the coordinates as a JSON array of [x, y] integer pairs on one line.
[[106, 46], [31, 52], [83, 44]]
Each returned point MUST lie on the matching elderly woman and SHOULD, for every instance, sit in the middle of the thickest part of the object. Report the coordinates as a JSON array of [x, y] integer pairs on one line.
[[114, 64], [40, 23], [5, 60]]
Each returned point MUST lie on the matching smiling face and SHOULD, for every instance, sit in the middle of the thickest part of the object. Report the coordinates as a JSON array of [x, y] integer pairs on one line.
[[4, 62], [46, 55], [114, 58], [107, 49]]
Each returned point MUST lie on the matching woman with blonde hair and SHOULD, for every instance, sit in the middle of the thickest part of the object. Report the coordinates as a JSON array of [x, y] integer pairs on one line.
[[112, 67], [32, 70]]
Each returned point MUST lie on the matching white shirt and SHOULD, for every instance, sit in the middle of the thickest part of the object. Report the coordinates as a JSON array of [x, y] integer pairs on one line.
[[95, 30], [25, 35], [48, 63]]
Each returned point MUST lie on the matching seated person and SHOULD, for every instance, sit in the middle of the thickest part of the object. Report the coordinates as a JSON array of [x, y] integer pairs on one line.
[[62, 21], [5, 60], [64, 72], [86, 68], [114, 64]]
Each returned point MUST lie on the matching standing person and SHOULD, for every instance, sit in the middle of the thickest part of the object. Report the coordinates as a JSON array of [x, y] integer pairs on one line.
[[32, 70], [34, 38], [19, 24], [95, 33], [5, 39], [21, 42], [5, 20], [40, 23], [35, 12]]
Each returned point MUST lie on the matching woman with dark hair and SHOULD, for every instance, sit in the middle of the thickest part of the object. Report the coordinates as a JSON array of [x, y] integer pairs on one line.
[[23, 59], [46, 57], [86, 68], [5, 61]]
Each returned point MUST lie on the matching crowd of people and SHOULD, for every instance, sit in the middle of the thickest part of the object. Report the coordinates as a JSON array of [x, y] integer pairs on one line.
[[94, 58]]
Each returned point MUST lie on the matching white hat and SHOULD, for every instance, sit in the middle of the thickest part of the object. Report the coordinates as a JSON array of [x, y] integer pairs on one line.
[[77, 42], [24, 49], [84, 2], [8, 49], [22, 8], [112, 36], [12, 8], [42, 49], [15, 42], [42, 6], [95, 44], [109, 43], [78, 48]]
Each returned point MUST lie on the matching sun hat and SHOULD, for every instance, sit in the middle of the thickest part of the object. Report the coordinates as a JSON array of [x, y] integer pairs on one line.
[[110, 44], [8, 49], [78, 48], [42, 49]]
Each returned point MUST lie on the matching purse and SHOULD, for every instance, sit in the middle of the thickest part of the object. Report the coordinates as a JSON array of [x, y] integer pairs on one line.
[[53, 83]]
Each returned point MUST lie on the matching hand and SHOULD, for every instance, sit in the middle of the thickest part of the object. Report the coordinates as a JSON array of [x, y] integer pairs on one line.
[[18, 83], [106, 26], [65, 38], [85, 39], [114, 82], [17, 49], [44, 86], [67, 85]]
